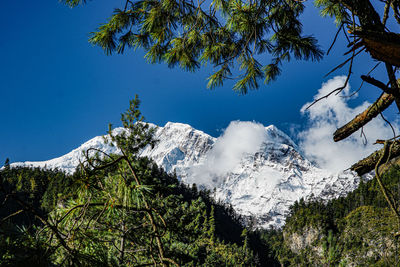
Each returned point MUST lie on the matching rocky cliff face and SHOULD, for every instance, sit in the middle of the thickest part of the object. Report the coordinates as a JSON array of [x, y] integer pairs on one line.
[[261, 183], [365, 237]]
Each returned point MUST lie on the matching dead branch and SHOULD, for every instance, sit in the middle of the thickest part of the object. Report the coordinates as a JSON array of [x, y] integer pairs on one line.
[[391, 126], [362, 83], [386, 12], [334, 39], [339, 89], [344, 63], [11, 215], [383, 102], [100, 204], [379, 84], [368, 164], [381, 45], [394, 83]]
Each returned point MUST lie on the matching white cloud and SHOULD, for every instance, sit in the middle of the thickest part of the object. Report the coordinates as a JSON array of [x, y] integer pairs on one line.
[[329, 114], [245, 138], [239, 138]]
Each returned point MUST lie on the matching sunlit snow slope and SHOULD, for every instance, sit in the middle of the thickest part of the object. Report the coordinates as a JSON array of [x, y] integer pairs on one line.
[[261, 183]]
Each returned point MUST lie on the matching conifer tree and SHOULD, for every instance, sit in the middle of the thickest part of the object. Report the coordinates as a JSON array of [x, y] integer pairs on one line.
[[7, 164], [232, 34], [188, 34], [116, 210]]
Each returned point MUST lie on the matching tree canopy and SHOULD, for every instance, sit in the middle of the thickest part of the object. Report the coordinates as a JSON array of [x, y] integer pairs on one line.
[[118, 210], [231, 35]]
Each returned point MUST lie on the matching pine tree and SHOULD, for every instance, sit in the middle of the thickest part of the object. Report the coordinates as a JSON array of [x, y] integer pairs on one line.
[[116, 210], [232, 34], [7, 164], [189, 34]]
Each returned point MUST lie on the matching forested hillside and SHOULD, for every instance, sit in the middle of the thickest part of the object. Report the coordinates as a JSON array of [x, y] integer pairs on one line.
[[48, 217], [124, 210], [38, 205], [356, 230], [119, 210]]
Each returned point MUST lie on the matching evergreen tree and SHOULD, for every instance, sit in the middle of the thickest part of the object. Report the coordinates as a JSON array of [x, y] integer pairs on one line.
[[231, 34], [188, 34], [116, 210], [357, 229], [7, 163]]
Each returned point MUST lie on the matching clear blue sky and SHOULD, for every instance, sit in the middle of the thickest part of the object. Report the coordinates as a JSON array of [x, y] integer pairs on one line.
[[58, 91]]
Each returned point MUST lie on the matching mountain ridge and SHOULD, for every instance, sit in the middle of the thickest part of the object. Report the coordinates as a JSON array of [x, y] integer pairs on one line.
[[260, 179]]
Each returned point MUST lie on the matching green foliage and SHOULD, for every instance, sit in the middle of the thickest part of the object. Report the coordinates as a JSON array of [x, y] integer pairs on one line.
[[233, 35], [39, 190], [20, 247], [356, 229], [73, 3], [36, 187], [228, 34], [118, 210], [331, 250], [311, 213], [368, 236], [137, 134], [333, 9]]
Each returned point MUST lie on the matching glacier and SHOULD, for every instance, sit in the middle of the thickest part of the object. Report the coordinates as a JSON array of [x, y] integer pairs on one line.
[[260, 184]]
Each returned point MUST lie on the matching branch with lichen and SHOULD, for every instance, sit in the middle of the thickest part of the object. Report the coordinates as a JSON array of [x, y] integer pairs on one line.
[[368, 164]]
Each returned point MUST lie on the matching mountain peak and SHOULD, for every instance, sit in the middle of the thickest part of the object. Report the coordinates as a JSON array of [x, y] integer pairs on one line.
[[277, 136], [177, 125], [261, 182]]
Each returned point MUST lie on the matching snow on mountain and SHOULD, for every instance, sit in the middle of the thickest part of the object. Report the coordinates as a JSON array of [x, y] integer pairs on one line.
[[70, 161], [259, 176], [179, 147]]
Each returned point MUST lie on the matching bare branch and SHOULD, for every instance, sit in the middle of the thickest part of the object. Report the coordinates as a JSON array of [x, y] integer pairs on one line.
[[386, 12], [378, 84], [368, 164], [394, 84], [344, 63], [334, 39], [11, 215], [383, 102], [362, 83], [391, 126], [108, 164], [396, 13], [385, 191], [339, 89], [362, 134], [101, 204]]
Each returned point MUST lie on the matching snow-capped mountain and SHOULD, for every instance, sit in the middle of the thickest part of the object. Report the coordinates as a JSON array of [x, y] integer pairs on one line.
[[261, 179]]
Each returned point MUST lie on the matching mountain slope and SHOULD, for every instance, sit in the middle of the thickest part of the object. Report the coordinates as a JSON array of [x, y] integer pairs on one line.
[[260, 177]]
